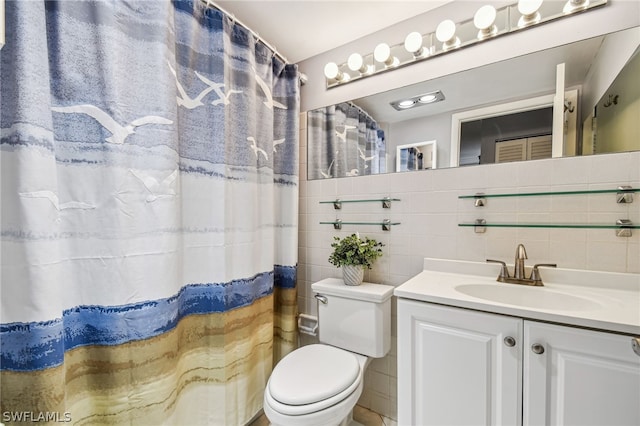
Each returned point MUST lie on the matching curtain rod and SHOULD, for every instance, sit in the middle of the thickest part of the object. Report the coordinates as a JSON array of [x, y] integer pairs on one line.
[[211, 3], [362, 110]]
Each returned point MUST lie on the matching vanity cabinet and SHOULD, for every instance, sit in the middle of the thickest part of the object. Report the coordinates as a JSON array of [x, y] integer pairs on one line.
[[464, 367]]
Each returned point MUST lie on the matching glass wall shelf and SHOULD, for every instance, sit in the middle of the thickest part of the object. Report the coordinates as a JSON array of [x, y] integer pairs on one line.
[[385, 224], [625, 190], [623, 227], [386, 202], [551, 225]]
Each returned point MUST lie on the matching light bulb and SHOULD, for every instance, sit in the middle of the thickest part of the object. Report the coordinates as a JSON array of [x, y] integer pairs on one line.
[[427, 99], [484, 21], [356, 63], [529, 11], [331, 71], [406, 104], [446, 34], [413, 44], [382, 53]]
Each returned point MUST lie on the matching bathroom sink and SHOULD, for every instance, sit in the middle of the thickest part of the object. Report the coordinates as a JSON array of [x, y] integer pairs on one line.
[[531, 297], [582, 298]]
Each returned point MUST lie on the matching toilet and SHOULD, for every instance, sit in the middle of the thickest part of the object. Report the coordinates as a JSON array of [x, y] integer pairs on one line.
[[319, 384]]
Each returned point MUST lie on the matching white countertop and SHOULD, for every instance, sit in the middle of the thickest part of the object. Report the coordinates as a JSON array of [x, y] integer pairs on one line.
[[601, 300]]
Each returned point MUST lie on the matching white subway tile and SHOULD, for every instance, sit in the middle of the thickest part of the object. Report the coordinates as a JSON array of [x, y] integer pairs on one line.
[[610, 168], [606, 256], [633, 256]]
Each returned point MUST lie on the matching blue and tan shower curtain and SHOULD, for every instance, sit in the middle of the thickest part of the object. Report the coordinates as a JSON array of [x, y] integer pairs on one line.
[[149, 154], [344, 140]]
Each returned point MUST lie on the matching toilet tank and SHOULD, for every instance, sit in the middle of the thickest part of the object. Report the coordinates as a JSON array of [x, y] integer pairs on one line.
[[354, 318]]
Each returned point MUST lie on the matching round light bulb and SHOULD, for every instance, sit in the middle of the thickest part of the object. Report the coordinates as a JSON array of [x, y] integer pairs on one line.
[[406, 104], [529, 11], [356, 63], [529, 7], [382, 52], [426, 99], [485, 17], [483, 21], [446, 30], [331, 71], [413, 43], [446, 33]]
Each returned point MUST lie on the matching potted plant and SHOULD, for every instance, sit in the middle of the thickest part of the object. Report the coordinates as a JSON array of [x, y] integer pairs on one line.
[[354, 254]]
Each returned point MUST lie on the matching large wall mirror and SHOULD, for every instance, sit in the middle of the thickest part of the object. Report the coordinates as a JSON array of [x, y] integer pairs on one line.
[[494, 113]]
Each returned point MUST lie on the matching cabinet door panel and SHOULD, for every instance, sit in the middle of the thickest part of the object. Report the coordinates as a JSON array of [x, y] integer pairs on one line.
[[584, 378], [454, 369]]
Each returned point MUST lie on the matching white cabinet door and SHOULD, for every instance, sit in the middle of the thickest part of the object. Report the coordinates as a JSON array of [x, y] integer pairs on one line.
[[454, 367], [583, 377]]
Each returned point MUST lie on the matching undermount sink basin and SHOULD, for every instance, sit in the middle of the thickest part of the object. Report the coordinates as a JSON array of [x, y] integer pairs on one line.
[[532, 297]]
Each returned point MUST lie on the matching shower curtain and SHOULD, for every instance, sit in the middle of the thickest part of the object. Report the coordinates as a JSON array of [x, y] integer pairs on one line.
[[149, 154], [344, 141]]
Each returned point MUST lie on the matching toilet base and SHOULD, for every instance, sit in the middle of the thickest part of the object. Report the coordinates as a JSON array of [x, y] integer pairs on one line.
[[340, 414], [348, 421]]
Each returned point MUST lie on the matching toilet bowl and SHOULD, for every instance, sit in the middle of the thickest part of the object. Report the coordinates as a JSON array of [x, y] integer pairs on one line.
[[319, 384], [315, 385]]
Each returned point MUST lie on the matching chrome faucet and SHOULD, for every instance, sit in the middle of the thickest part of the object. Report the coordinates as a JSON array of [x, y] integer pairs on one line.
[[518, 270]]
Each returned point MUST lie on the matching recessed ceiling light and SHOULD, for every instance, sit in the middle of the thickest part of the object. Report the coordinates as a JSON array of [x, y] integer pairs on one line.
[[406, 103], [418, 100], [427, 99]]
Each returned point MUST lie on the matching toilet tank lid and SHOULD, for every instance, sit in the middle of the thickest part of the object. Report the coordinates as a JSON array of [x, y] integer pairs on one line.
[[365, 291]]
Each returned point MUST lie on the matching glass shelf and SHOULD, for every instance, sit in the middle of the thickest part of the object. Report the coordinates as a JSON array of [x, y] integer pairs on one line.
[[623, 227], [623, 190], [386, 202], [550, 225], [385, 224]]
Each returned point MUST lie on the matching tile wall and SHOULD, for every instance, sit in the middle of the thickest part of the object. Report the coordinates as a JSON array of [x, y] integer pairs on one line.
[[429, 213]]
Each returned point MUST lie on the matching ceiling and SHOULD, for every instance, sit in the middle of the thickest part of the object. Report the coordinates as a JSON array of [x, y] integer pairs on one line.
[[300, 29]]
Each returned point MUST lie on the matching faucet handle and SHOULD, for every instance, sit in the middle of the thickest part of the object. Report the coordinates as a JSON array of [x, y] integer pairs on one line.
[[504, 272], [535, 273]]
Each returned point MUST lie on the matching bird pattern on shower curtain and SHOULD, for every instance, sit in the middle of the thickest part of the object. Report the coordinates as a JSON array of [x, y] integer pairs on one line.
[[149, 154], [344, 141]]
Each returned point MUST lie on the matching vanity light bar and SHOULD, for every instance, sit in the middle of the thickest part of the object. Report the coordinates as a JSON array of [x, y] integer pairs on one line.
[[487, 23]]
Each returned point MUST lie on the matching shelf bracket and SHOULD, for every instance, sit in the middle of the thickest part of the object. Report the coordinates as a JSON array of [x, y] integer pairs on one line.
[[337, 224], [624, 195], [625, 228], [480, 200], [479, 227], [337, 204]]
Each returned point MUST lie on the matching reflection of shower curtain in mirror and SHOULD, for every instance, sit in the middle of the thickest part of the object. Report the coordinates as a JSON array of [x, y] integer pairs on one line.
[[343, 140], [149, 156]]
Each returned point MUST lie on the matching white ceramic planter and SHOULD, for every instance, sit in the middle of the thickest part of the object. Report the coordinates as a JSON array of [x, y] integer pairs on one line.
[[353, 274]]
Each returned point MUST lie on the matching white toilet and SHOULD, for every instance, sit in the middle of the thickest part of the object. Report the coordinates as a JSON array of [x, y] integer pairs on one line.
[[320, 384]]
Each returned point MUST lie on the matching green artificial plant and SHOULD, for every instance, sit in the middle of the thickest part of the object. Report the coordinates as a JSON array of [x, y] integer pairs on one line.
[[352, 250]]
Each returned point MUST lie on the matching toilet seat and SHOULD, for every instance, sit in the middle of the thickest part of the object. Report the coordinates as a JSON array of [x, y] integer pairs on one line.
[[313, 378]]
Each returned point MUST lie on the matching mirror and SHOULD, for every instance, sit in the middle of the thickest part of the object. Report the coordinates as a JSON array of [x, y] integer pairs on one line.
[[416, 156], [520, 84]]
